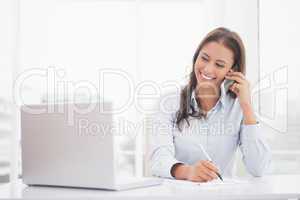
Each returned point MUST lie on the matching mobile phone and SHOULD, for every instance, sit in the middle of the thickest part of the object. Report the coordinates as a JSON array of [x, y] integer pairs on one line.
[[227, 84]]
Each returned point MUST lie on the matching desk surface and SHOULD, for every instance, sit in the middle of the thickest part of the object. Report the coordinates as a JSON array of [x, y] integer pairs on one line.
[[268, 187]]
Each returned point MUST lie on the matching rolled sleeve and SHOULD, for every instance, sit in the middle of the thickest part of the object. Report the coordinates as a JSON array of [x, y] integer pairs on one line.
[[162, 162], [161, 143], [256, 152], [162, 149]]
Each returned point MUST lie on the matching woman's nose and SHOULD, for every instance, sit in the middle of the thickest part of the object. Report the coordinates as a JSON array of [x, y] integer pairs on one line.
[[208, 68]]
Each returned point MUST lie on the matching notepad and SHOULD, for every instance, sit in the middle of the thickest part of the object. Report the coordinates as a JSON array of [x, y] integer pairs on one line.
[[216, 182]]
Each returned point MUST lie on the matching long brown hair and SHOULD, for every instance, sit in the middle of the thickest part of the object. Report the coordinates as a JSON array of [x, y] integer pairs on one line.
[[229, 39]]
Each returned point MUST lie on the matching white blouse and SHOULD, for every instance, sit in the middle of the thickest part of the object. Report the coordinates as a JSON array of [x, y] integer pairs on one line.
[[220, 134]]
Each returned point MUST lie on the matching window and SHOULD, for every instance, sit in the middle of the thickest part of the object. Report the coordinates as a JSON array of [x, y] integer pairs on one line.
[[279, 95], [145, 46]]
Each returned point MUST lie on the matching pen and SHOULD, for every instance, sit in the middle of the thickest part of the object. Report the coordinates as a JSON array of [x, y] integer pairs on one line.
[[209, 158]]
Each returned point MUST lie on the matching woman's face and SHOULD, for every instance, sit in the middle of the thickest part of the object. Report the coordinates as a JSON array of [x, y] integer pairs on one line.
[[212, 64]]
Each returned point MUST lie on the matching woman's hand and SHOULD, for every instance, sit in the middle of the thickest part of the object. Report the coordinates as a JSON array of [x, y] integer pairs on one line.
[[241, 88], [202, 171]]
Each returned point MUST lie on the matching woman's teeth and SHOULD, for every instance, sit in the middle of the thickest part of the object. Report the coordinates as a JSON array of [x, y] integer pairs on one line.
[[206, 77]]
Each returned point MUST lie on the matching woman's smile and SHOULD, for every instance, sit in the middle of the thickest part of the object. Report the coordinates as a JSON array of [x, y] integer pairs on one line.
[[207, 77]]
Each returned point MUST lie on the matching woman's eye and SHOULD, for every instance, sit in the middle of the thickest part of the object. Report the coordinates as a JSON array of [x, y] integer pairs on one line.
[[219, 65], [205, 59]]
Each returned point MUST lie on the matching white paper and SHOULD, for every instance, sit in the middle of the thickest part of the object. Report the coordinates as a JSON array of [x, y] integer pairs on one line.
[[216, 182]]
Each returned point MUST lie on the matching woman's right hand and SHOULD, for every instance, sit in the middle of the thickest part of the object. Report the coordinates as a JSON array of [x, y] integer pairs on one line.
[[201, 171]]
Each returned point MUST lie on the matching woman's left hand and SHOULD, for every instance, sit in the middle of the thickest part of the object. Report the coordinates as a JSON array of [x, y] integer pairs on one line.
[[241, 87]]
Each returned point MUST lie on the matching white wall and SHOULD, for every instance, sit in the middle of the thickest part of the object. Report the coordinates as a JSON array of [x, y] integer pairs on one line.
[[241, 17], [6, 47], [280, 46], [149, 40]]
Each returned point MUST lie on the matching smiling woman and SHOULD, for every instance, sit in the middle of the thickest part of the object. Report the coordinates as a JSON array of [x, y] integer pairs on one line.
[[180, 151], [218, 53]]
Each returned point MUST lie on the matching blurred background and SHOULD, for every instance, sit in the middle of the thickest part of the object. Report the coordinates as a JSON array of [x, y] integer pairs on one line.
[[146, 44]]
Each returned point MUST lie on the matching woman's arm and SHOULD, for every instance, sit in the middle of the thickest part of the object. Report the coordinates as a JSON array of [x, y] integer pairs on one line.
[[256, 152], [249, 117], [161, 145]]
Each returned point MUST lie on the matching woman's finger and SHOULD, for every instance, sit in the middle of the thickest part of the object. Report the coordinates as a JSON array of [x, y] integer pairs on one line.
[[234, 88], [197, 179], [239, 74], [211, 166], [204, 176], [211, 174], [203, 172], [235, 78]]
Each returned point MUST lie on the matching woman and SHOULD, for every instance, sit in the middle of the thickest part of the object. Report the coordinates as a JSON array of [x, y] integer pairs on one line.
[[210, 115]]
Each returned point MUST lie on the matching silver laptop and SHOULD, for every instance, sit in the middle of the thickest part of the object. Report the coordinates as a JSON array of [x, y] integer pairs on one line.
[[61, 147]]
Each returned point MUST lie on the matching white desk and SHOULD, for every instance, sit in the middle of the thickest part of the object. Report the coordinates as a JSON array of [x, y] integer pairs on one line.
[[268, 187]]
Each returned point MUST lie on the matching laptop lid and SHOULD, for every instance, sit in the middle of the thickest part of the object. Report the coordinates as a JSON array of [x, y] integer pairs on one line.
[[68, 145]]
